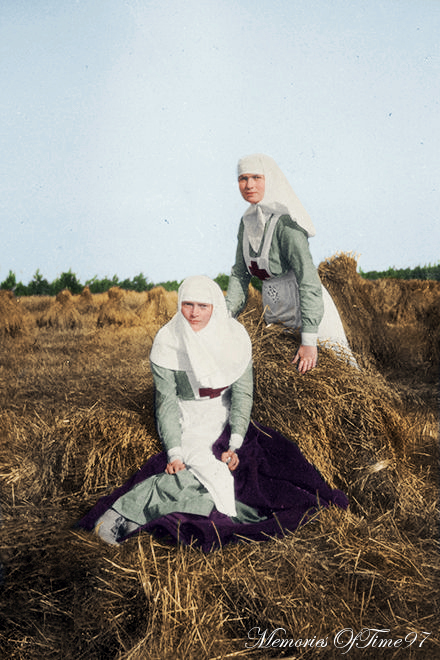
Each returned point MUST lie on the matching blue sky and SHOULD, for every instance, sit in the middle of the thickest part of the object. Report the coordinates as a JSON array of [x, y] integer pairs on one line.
[[122, 122]]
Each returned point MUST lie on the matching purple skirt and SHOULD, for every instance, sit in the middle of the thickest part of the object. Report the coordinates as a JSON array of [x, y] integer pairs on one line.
[[273, 477]]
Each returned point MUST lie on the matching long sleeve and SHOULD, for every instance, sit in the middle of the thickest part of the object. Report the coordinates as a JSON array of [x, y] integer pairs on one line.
[[239, 279], [167, 410], [294, 254], [241, 406]]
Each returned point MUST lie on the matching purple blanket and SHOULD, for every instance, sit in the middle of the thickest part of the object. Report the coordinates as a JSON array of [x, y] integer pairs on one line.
[[273, 477]]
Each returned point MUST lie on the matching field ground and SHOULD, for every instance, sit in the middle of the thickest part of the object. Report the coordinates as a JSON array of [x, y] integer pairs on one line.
[[76, 419]]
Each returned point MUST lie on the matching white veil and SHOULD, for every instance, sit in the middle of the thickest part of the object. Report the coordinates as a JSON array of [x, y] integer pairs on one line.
[[279, 199], [218, 354]]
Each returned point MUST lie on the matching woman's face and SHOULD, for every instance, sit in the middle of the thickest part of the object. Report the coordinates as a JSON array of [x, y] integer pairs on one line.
[[197, 314], [252, 187]]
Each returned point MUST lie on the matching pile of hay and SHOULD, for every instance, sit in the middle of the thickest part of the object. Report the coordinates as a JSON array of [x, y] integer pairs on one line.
[[159, 307], [62, 313], [36, 305], [395, 323], [72, 433], [89, 305], [351, 424], [115, 311], [86, 302], [12, 317]]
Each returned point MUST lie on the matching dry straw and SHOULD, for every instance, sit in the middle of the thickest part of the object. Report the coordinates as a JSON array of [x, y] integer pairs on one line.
[[70, 433], [116, 311], [62, 313], [12, 315], [159, 307], [396, 322], [86, 302]]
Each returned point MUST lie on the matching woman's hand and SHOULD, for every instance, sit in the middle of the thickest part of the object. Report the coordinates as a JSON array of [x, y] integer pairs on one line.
[[307, 358], [231, 459], [175, 466]]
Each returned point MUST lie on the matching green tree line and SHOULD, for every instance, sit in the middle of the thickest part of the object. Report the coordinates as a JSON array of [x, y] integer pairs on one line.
[[429, 272], [40, 286]]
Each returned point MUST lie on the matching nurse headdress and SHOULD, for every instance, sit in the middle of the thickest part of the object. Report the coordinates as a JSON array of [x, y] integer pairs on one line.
[[279, 199]]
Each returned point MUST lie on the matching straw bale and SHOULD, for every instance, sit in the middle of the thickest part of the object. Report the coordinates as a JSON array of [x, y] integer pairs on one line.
[[16, 435], [86, 301], [116, 293], [394, 323], [351, 294], [12, 315], [88, 305], [64, 297], [347, 422], [86, 295], [135, 299], [36, 305], [116, 311], [410, 312], [85, 452], [62, 313], [159, 307]]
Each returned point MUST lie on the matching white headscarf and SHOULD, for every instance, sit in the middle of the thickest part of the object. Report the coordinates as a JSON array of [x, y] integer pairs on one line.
[[218, 354], [279, 199]]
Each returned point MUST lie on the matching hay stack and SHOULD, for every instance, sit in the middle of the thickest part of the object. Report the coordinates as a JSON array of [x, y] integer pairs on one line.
[[352, 297], [115, 311], [88, 305], [395, 322], [345, 421], [36, 305], [62, 313], [87, 451], [158, 309], [12, 317], [85, 301], [415, 321]]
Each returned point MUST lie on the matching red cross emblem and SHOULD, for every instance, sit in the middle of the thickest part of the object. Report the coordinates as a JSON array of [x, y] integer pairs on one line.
[[262, 274]]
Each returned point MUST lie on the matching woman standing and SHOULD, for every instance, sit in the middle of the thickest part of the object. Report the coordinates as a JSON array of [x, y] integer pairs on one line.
[[273, 246], [221, 477]]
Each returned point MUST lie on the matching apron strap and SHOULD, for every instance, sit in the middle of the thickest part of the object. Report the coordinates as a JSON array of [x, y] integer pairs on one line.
[[259, 266]]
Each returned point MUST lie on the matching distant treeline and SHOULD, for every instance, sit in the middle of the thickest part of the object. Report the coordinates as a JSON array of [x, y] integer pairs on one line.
[[430, 272], [40, 286]]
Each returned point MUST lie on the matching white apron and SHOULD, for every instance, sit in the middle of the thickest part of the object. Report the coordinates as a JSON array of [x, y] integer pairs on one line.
[[202, 422]]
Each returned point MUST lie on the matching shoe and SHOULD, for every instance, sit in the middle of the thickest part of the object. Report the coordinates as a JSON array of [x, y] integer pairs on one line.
[[111, 526]]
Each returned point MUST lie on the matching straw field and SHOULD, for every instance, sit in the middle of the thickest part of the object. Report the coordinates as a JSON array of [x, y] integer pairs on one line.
[[77, 419]]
